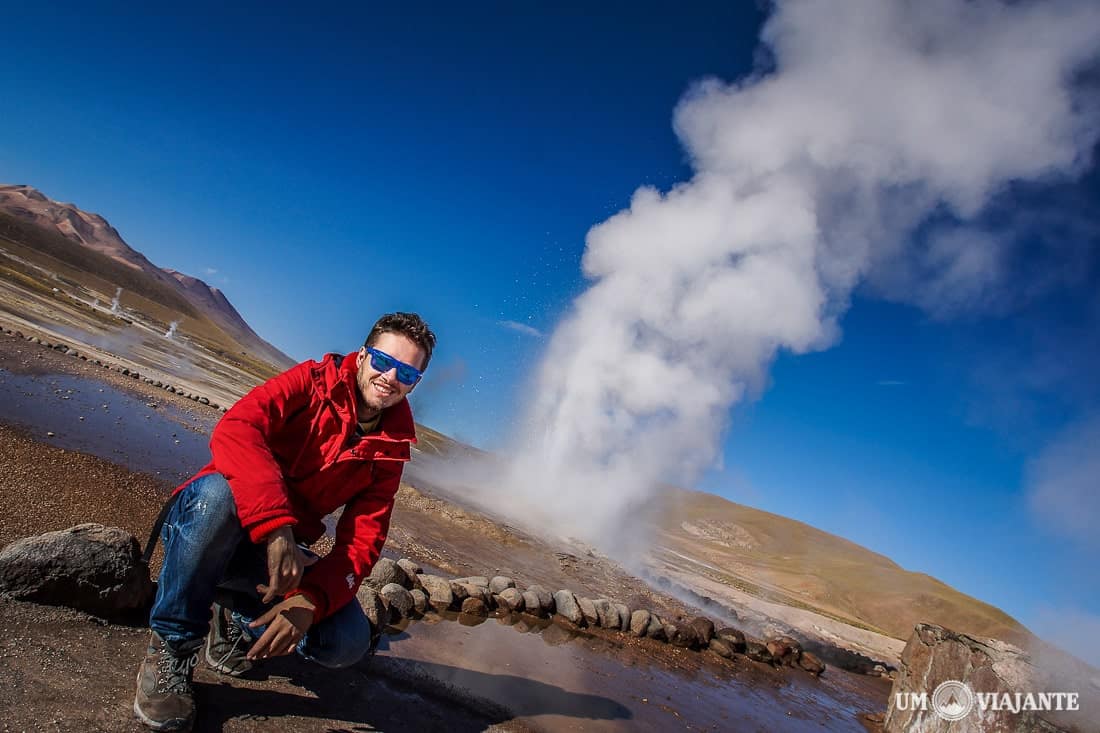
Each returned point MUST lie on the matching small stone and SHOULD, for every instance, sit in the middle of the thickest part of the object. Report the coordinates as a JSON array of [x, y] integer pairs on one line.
[[480, 580], [411, 568], [733, 637], [624, 616], [50, 434], [475, 607], [374, 607]]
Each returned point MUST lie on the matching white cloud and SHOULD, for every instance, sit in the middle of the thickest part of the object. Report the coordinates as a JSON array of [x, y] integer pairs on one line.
[[210, 271], [521, 328], [1064, 483], [809, 176]]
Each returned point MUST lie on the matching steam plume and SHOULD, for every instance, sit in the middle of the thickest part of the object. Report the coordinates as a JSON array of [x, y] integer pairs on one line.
[[114, 301], [812, 175]]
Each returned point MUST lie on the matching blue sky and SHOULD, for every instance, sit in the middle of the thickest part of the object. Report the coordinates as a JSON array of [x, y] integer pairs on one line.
[[325, 165]]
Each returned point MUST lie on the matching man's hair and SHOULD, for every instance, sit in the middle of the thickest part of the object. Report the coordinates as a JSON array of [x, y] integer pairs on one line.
[[409, 325]]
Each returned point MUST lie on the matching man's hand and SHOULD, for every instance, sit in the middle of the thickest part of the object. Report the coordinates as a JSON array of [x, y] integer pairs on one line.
[[287, 622], [285, 565]]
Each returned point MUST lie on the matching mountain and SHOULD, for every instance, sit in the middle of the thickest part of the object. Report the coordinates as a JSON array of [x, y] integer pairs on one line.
[[89, 246]]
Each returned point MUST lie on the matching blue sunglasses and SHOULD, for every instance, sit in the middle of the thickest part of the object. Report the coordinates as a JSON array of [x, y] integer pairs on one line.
[[380, 361]]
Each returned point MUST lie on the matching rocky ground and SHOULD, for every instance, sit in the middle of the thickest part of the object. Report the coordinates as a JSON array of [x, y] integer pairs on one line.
[[62, 670]]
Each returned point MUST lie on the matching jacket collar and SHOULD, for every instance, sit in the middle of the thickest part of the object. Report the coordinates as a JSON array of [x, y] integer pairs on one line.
[[397, 421]]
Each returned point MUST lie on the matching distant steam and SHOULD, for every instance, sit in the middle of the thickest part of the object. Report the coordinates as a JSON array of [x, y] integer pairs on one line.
[[819, 171], [114, 302], [171, 330]]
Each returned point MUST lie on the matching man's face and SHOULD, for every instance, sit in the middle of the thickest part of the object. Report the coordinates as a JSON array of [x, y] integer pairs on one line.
[[380, 390]]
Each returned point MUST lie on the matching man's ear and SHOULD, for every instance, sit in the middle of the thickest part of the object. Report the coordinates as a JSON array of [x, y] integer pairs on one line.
[[360, 357]]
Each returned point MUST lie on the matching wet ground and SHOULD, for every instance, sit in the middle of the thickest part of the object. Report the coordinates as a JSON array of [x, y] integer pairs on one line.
[[436, 674]]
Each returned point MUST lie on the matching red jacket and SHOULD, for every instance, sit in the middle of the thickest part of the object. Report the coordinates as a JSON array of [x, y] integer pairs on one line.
[[289, 452]]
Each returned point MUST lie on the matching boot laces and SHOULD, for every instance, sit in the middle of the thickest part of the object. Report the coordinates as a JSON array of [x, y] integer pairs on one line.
[[174, 671]]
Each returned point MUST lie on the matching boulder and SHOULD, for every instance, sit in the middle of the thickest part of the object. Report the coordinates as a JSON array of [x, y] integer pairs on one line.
[[499, 583], [809, 662], [784, 650], [398, 599], [387, 571], [374, 608], [438, 589], [733, 637], [704, 627], [475, 607], [89, 567], [639, 622], [565, 604], [511, 599], [934, 655], [588, 609]]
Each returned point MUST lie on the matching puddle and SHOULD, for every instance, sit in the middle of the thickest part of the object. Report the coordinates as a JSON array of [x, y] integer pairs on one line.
[[94, 417], [556, 680]]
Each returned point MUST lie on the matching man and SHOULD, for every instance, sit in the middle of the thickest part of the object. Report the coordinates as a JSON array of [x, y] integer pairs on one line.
[[321, 436]]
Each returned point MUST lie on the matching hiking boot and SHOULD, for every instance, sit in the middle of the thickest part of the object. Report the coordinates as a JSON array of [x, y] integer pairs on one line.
[[165, 699], [227, 644]]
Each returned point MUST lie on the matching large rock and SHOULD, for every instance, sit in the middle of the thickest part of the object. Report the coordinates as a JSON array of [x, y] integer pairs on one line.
[[412, 569], [89, 567], [734, 637], [474, 607], [374, 607], [499, 583], [588, 608], [686, 636], [639, 622], [704, 627], [721, 647], [438, 589], [809, 662], [545, 599], [624, 616], [607, 614], [387, 571], [656, 628], [419, 599], [784, 649], [989, 668], [398, 599], [476, 591], [531, 603], [565, 604], [511, 599], [757, 652]]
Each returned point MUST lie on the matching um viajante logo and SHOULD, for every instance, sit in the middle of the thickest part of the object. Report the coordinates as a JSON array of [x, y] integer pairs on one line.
[[953, 700]]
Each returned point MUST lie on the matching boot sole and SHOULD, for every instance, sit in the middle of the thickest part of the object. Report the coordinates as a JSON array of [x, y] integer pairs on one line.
[[175, 724]]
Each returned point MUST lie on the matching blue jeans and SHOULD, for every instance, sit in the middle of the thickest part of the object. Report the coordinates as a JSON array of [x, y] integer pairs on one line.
[[208, 554]]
